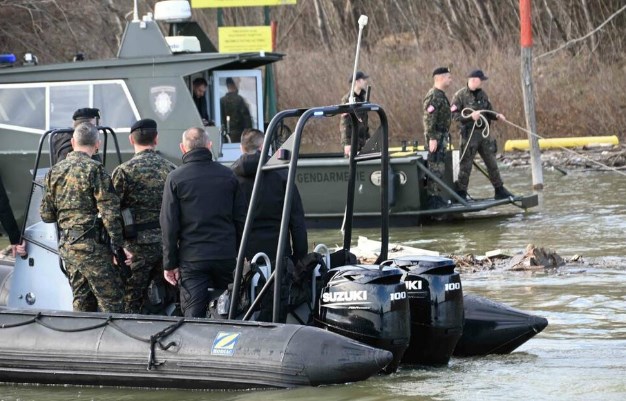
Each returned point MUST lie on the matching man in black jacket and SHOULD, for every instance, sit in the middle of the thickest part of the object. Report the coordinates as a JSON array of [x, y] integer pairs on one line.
[[266, 227], [202, 218]]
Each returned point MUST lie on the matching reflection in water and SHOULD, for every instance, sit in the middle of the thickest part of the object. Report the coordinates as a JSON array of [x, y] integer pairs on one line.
[[581, 355], [581, 213]]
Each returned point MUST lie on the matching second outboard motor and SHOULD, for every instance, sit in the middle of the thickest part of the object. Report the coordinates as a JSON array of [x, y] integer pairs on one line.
[[368, 304], [436, 301]]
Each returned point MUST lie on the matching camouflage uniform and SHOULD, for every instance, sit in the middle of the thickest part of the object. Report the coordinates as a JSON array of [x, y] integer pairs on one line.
[[139, 183], [485, 147], [233, 105], [346, 123], [437, 121], [76, 190]]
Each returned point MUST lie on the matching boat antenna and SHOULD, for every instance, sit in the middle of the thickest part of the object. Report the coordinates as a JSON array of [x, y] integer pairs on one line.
[[362, 23], [135, 12]]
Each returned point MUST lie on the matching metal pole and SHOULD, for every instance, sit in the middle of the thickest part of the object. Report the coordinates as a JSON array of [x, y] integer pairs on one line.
[[362, 23], [527, 87]]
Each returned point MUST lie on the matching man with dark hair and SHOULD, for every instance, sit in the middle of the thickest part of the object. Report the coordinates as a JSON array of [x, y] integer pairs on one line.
[[362, 128], [472, 129], [266, 226], [200, 86], [202, 217], [77, 194], [235, 112], [437, 119], [139, 183]]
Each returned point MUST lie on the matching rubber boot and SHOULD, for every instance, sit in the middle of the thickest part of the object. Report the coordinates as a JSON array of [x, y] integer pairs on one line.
[[502, 193]]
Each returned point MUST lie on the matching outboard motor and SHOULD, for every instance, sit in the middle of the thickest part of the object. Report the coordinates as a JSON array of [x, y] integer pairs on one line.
[[368, 304], [436, 301]]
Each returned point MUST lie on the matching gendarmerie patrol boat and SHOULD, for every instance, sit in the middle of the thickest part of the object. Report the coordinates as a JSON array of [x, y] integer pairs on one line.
[[152, 76], [364, 318]]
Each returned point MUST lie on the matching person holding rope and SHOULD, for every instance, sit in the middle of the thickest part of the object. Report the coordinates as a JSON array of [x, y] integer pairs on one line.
[[472, 109]]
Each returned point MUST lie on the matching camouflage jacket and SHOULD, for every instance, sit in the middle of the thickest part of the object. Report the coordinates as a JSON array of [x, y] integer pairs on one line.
[[437, 117], [75, 190], [346, 122], [476, 100], [139, 184], [233, 105]]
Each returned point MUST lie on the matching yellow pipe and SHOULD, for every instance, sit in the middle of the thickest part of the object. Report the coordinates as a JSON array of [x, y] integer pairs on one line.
[[522, 144]]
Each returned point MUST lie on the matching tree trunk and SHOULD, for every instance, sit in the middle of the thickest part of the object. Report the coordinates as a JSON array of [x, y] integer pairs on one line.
[[321, 25]]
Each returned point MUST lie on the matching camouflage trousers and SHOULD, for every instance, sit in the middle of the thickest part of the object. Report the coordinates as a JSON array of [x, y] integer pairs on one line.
[[437, 165], [485, 147], [147, 264], [95, 281]]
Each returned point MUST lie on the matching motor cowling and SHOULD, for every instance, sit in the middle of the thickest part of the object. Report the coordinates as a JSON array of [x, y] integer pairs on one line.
[[368, 304], [435, 297]]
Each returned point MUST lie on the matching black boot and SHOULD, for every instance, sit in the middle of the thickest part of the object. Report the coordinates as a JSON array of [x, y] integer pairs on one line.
[[435, 202], [462, 194], [502, 193]]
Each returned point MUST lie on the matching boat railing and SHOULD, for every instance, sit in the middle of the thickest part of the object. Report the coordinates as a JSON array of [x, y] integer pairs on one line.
[[287, 157], [33, 218]]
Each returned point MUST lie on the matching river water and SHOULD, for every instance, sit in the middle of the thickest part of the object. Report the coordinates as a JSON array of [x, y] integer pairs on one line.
[[581, 355]]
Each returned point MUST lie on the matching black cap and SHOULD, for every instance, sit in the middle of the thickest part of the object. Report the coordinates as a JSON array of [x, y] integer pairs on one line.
[[441, 70], [478, 74], [230, 81], [86, 113], [146, 123], [359, 75]]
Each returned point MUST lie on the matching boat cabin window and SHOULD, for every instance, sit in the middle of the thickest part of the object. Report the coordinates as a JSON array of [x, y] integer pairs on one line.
[[238, 101], [23, 107]]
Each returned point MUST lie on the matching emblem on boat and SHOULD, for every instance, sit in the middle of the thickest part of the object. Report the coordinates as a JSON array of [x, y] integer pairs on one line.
[[163, 99], [375, 177], [224, 343]]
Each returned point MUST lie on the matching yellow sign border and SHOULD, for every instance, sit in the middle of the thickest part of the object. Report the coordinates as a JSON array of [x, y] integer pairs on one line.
[[238, 3], [243, 39]]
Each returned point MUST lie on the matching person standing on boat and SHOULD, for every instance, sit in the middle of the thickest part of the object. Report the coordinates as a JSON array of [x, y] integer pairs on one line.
[[437, 119], [202, 218], [139, 183], [61, 142], [200, 86], [7, 219], [473, 126], [362, 129], [266, 226], [235, 112], [79, 197]]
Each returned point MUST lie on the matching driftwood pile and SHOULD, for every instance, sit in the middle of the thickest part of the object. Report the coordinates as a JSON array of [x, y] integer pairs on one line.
[[583, 159], [531, 259]]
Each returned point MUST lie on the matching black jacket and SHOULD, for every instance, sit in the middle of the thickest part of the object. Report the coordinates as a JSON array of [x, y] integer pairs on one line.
[[203, 211], [266, 226]]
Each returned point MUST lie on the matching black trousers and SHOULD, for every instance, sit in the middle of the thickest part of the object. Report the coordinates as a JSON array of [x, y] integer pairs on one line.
[[202, 281]]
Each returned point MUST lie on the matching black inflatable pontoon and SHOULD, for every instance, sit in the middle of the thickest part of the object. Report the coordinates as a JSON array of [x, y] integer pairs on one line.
[[495, 328], [150, 351]]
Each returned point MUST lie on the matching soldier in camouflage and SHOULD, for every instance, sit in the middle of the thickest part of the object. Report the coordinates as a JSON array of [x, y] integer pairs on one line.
[[437, 121], [472, 128], [234, 106], [139, 184], [362, 129], [77, 191]]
